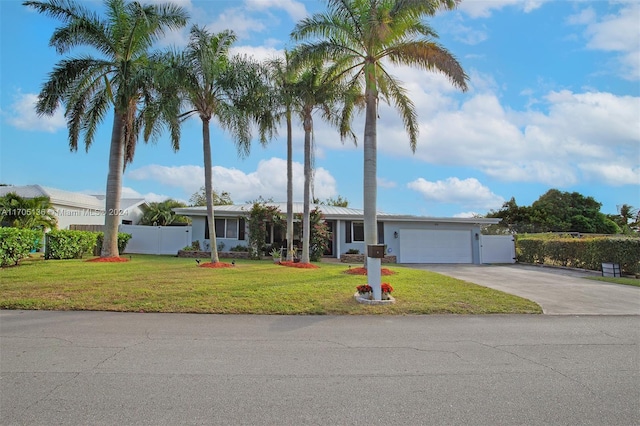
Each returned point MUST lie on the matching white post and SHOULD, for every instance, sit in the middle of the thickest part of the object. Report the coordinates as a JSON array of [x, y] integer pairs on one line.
[[373, 276]]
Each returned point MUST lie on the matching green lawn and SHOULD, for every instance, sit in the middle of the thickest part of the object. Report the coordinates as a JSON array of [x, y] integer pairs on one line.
[[618, 280], [170, 284]]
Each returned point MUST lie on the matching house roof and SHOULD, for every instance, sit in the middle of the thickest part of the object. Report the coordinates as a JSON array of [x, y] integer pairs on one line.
[[60, 197], [329, 212]]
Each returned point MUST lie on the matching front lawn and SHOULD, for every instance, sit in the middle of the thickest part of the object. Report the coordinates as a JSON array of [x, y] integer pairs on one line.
[[618, 280], [170, 284]]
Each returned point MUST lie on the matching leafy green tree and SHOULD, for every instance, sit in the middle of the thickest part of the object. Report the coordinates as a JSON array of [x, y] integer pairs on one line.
[[213, 85], [28, 213], [628, 218], [337, 202], [556, 211], [361, 38], [559, 211], [259, 216], [200, 198], [162, 214], [122, 77]]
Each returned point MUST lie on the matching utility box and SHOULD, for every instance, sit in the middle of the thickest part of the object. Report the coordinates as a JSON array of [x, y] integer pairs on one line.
[[611, 270], [375, 251]]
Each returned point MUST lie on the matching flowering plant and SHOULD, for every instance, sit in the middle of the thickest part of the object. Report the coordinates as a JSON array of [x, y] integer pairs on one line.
[[364, 288], [386, 288]]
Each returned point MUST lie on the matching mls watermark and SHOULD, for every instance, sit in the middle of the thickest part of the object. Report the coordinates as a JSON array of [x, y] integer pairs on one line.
[[63, 212]]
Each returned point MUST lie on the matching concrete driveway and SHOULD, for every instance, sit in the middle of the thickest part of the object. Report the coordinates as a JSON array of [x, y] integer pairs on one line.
[[558, 291]]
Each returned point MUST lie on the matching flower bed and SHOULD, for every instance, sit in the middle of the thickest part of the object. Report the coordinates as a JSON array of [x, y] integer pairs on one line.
[[108, 259], [299, 265], [363, 271], [359, 258], [216, 265]]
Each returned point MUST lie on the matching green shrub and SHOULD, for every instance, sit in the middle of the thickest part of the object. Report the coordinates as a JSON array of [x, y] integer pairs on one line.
[[353, 251], [15, 244], [123, 240], [66, 244], [195, 246], [585, 253]]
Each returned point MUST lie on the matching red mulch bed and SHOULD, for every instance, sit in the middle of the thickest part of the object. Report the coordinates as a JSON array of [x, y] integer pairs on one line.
[[363, 271], [108, 259], [216, 265], [299, 265]]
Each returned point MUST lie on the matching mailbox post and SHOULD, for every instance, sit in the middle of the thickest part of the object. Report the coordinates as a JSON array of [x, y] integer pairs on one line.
[[375, 253]]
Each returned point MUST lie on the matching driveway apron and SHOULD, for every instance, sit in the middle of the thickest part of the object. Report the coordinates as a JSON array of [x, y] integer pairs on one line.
[[558, 291]]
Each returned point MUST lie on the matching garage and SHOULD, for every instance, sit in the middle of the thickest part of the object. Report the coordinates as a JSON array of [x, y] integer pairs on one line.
[[435, 246]]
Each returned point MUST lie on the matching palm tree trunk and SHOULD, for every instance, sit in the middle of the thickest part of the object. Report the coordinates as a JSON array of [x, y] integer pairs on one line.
[[208, 189], [306, 228], [289, 188], [370, 159], [114, 188]]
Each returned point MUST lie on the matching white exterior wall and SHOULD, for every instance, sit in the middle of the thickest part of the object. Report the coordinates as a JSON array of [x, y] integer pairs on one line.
[[68, 215], [156, 239]]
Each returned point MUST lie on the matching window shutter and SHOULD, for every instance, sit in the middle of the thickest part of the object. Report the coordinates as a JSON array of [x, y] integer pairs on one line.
[[206, 227], [241, 228], [347, 235], [380, 233]]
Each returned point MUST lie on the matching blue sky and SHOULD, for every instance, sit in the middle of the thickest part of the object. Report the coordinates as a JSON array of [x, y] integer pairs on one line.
[[553, 102]]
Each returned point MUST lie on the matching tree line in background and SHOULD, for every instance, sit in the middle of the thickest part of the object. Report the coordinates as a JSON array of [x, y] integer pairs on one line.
[[558, 211], [335, 69]]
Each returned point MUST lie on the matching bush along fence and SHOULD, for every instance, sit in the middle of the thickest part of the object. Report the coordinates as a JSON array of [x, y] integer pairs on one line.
[[16, 244], [66, 244], [584, 253]]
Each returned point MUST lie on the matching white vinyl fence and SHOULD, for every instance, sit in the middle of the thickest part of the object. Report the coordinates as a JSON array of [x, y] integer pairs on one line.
[[156, 239], [498, 249]]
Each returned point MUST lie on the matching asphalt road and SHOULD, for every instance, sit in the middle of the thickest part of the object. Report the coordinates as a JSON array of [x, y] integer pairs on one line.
[[95, 368], [558, 291]]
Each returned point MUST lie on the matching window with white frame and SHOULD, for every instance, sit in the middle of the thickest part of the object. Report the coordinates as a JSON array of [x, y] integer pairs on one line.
[[226, 228]]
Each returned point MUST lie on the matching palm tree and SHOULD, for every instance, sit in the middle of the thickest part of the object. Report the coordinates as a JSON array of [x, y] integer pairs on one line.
[[281, 77], [122, 78], [35, 213], [357, 37], [162, 214], [316, 89], [214, 85]]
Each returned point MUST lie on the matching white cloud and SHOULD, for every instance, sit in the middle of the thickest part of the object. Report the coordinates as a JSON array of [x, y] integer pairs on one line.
[[468, 192], [269, 180], [552, 142], [22, 115], [467, 215], [386, 183], [614, 33], [484, 8], [237, 19], [296, 10]]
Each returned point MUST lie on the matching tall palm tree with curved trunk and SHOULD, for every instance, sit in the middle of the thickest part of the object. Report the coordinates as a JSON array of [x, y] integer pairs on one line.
[[213, 85], [361, 38], [318, 90], [122, 78]]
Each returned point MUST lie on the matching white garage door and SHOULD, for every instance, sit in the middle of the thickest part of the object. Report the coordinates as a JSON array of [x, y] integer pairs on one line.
[[430, 246]]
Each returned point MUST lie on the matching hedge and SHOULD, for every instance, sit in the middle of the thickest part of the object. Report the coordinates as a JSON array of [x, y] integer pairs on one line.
[[16, 243], [66, 244], [585, 253], [123, 240]]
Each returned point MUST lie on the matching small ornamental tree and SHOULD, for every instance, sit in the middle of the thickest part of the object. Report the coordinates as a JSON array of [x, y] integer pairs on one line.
[[259, 215], [319, 236]]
